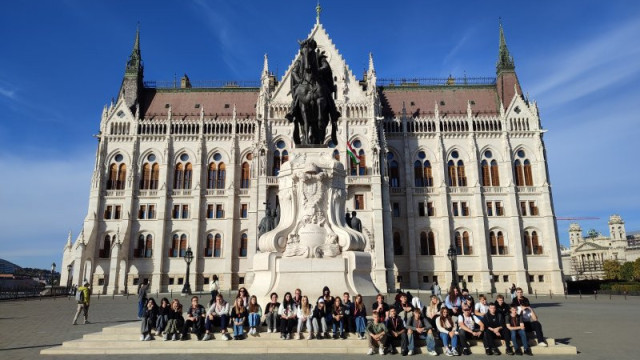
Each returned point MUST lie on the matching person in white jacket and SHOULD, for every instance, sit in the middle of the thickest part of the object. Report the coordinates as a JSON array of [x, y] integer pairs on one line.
[[218, 314], [288, 315], [305, 314]]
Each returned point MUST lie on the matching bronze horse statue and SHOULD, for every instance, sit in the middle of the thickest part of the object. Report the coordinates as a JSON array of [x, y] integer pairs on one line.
[[312, 88]]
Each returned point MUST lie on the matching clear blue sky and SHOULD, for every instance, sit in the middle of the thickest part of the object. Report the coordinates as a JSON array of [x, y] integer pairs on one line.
[[63, 61]]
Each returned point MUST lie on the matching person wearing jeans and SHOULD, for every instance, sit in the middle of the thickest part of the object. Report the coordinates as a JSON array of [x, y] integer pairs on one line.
[[448, 335], [319, 320], [419, 327], [271, 313], [360, 316], [515, 325], [469, 326], [218, 313]]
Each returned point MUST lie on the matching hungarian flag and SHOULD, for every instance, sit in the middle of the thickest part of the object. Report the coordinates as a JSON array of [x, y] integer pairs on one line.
[[352, 153]]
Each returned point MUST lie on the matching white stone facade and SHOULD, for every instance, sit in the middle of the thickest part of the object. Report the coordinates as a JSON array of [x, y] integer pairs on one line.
[[385, 123]]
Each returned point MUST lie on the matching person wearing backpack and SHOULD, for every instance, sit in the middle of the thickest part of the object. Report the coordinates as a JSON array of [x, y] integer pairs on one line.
[[83, 297]]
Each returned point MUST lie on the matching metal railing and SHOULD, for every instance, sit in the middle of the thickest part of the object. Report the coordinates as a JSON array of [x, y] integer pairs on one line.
[[450, 81], [175, 84]]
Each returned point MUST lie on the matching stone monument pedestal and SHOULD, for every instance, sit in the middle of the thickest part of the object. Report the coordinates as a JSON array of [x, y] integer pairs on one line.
[[312, 247]]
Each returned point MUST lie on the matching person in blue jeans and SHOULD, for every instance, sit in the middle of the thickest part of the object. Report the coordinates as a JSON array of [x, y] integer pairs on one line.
[[419, 327], [360, 316], [238, 316], [516, 326], [337, 315], [448, 334], [255, 313]]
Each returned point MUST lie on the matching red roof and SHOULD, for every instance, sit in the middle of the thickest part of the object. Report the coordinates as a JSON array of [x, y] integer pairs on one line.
[[450, 99], [187, 103]]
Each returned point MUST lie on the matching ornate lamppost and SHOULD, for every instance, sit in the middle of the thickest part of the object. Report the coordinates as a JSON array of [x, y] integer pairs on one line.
[[69, 277], [188, 258], [53, 270], [452, 254]]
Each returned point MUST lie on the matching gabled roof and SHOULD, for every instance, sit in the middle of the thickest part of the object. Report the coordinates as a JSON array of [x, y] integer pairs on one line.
[[590, 246]]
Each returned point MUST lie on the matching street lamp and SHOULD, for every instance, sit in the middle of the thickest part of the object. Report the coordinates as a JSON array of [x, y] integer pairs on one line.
[[53, 270], [69, 277], [188, 257], [452, 254]]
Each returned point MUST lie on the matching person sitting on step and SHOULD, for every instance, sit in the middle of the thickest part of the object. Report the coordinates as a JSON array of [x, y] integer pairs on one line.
[[337, 318], [360, 316], [195, 320], [448, 334], [305, 313], [217, 315], [149, 318], [377, 331], [396, 332], [469, 326], [319, 320], [238, 316], [531, 321], [175, 321], [495, 329], [287, 312], [255, 314], [271, 313], [420, 328], [515, 325]]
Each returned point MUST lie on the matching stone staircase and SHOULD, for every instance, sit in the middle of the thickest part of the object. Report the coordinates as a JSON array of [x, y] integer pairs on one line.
[[125, 339]]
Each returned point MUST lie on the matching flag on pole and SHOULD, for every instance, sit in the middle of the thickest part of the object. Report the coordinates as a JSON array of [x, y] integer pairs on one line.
[[352, 153]]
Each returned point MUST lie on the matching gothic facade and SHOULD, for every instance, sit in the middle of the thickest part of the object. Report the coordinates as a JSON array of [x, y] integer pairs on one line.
[[441, 162]]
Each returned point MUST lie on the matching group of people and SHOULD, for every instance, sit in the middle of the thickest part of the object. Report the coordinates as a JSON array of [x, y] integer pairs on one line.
[[455, 321]]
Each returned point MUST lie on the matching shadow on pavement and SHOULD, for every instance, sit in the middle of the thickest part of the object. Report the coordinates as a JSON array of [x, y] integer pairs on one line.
[[29, 347], [564, 341], [549, 304]]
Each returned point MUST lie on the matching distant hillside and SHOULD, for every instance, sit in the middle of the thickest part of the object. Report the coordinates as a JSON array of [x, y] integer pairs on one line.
[[7, 267]]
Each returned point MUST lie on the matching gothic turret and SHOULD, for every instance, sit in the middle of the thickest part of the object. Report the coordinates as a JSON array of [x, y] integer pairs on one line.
[[507, 81], [131, 88]]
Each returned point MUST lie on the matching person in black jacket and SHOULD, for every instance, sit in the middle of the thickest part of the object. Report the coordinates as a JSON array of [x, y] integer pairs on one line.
[[502, 307], [149, 318], [397, 331], [494, 328]]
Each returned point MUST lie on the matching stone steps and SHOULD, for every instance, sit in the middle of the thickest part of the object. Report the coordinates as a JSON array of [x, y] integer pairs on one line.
[[124, 339]]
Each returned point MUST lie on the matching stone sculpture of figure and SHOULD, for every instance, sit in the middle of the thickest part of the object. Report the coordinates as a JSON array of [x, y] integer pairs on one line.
[[312, 105], [356, 224], [347, 219], [267, 223]]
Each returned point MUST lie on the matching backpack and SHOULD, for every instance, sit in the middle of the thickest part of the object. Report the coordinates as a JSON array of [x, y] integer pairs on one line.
[[80, 296]]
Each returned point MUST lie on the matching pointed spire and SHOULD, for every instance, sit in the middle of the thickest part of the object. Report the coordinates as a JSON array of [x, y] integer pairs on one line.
[[318, 11], [371, 68], [134, 65], [68, 245], [505, 60], [265, 66]]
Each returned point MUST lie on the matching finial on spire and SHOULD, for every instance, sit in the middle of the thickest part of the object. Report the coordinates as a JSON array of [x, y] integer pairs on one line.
[[265, 66], [371, 68], [505, 60], [318, 11]]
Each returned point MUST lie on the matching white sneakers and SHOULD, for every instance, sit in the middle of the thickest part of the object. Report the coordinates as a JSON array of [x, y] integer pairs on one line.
[[206, 337], [371, 351], [381, 350], [410, 352], [448, 352], [543, 344], [432, 353]]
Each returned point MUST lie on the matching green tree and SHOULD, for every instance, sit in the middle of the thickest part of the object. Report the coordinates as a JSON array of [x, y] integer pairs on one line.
[[611, 269], [636, 269], [626, 271]]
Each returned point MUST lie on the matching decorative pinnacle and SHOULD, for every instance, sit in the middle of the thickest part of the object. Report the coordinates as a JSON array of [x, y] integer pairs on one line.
[[318, 11], [505, 60]]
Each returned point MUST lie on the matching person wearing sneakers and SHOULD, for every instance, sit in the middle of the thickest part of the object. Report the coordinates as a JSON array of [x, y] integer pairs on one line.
[[149, 318], [271, 313], [337, 318], [377, 331], [175, 322], [238, 317], [531, 322], [448, 333], [305, 313], [218, 314], [287, 312], [195, 320], [469, 326], [255, 313], [494, 328], [360, 316], [481, 308], [515, 325], [83, 297], [419, 327], [349, 326], [396, 331], [319, 320]]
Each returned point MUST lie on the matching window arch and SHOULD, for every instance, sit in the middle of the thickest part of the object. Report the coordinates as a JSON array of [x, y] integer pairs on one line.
[[497, 243], [423, 174], [150, 174], [245, 180], [217, 246], [463, 243], [208, 250], [532, 244], [105, 252], [216, 172], [144, 248], [522, 168], [244, 244], [490, 172], [280, 156], [427, 243], [183, 173], [397, 244], [455, 170], [175, 245], [183, 244], [394, 170]]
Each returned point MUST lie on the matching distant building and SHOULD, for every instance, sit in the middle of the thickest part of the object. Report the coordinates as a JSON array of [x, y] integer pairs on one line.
[[586, 255], [7, 267], [436, 163]]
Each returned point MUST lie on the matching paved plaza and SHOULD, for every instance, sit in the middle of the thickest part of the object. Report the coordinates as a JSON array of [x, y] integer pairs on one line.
[[601, 328]]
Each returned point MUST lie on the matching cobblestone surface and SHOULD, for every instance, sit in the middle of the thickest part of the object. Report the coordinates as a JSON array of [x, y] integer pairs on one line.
[[600, 329]]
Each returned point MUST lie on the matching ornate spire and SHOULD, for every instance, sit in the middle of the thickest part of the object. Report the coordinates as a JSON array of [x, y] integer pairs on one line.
[[505, 60], [371, 68], [318, 11], [265, 66], [134, 65], [68, 245]]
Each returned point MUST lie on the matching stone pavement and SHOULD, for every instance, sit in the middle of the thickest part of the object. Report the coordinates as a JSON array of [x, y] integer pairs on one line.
[[600, 329]]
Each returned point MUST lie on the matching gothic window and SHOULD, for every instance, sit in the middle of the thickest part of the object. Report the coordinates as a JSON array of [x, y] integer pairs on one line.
[[155, 176], [462, 178], [423, 175], [276, 163], [362, 166], [244, 240], [188, 174], [122, 176], [280, 156], [496, 240], [222, 175], [150, 173], [183, 173], [451, 166], [183, 245], [178, 177], [208, 250], [394, 171], [455, 170], [148, 246], [502, 249], [144, 247], [216, 172], [463, 243], [175, 246], [532, 244], [113, 176], [217, 246], [212, 175], [105, 252], [495, 175], [145, 181], [494, 243], [427, 243], [245, 180], [522, 168], [397, 244]]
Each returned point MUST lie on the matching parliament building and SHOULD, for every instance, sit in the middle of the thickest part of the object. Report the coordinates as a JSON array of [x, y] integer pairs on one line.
[[438, 162]]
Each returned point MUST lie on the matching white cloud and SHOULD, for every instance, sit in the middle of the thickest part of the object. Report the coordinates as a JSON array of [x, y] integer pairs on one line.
[[7, 93]]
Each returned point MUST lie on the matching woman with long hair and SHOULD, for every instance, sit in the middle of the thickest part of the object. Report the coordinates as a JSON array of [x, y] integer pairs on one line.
[[337, 315], [446, 327], [432, 310], [238, 316], [454, 300], [175, 322], [360, 316], [255, 312], [305, 312], [287, 312], [149, 318], [163, 315]]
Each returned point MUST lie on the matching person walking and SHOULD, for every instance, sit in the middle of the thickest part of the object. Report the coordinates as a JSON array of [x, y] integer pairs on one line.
[[83, 297]]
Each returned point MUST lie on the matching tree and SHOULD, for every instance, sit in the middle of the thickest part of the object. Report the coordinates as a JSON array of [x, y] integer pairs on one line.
[[611, 269], [636, 269], [626, 271]]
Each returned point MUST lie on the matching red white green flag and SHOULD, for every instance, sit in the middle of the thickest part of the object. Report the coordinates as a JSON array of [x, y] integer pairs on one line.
[[352, 153]]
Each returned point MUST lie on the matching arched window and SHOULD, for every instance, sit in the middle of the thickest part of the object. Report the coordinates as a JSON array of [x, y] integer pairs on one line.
[[145, 181], [276, 163], [494, 243], [217, 246], [122, 177], [145, 247], [183, 245], [139, 250], [362, 166], [427, 243], [215, 172], [148, 246], [113, 176], [244, 243], [150, 173], [208, 250], [183, 173], [486, 173], [522, 169], [280, 156], [117, 174], [397, 244], [490, 174], [458, 240], [535, 244], [155, 176], [527, 243], [532, 244], [502, 249], [188, 175], [106, 247], [394, 171], [212, 175], [428, 174], [462, 177], [463, 243], [222, 175], [246, 176], [455, 170], [178, 177], [451, 167], [175, 246], [495, 175], [417, 174]]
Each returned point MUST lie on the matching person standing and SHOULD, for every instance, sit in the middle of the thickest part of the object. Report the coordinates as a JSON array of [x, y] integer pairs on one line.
[[513, 291], [142, 297], [356, 224], [83, 297], [435, 290], [214, 287]]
